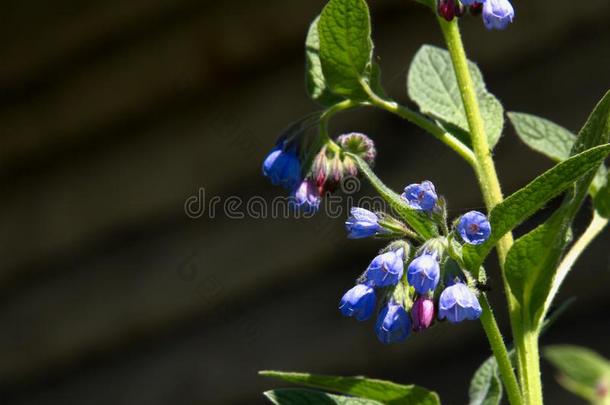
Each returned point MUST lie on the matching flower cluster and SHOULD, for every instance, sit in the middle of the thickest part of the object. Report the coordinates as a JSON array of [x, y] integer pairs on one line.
[[288, 165], [415, 281], [497, 14]]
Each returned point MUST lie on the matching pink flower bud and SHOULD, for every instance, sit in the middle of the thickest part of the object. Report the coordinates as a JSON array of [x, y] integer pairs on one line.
[[422, 313]]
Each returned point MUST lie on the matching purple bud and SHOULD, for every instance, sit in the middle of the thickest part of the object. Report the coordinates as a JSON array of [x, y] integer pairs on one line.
[[386, 269], [358, 302], [422, 313], [393, 324], [320, 168], [497, 14], [424, 273], [421, 197], [362, 224], [446, 9], [458, 303], [307, 197], [474, 228], [358, 144]]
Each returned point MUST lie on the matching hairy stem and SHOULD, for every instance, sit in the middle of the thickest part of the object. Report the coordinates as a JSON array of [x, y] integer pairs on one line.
[[492, 194]]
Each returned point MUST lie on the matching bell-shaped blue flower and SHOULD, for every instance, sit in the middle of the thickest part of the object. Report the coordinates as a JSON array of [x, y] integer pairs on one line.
[[359, 302], [362, 224], [421, 197], [393, 324], [497, 14], [474, 228], [283, 168], [424, 273], [458, 303], [306, 197], [386, 269]]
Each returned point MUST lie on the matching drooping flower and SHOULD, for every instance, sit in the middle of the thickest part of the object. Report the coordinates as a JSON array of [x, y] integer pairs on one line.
[[497, 14], [423, 273], [362, 223], [283, 168], [393, 324], [386, 269], [358, 302], [306, 197], [422, 313], [421, 197], [458, 303], [474, 228]]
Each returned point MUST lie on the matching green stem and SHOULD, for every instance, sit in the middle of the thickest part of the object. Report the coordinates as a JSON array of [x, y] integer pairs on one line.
[[424, 123], [492, 193]]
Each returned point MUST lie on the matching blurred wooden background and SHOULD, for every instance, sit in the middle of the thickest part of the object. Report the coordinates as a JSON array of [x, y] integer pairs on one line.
[[113, 113]]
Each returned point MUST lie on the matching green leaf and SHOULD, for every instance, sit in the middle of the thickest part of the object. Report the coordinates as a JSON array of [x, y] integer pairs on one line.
[[525, 202], [345, 46], [602, 200], [543, 136], [486, 386], [298, 396], [583, 371], [385, 391], [419, 221], [551, 140], [531, 261], [316, 83], [432, 84]]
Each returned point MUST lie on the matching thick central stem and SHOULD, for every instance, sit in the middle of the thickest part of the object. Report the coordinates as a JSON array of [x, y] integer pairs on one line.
[[492, 195]]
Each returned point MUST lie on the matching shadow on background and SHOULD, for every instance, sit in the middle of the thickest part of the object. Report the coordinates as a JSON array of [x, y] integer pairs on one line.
[[114, 113]]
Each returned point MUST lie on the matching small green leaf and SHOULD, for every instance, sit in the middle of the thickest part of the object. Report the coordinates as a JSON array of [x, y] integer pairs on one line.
[[432, 84], [420, 222], [486, 386], [583, 371], [602, 200], [345, 46], [298, 396], [543, 136], [551, 140], [315, 81], [525, 202], [385, 391]]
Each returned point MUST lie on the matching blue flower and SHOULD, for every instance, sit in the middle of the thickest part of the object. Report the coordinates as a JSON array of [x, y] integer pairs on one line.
[[386, 269], [421, 197], [393, 324], [362, 224], [457, 303], [358, 302], [474, 228], [497, 14], [283, 168], [424, 273], [306, 197]]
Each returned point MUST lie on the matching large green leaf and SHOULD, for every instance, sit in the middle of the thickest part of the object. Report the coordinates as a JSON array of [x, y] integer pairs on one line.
[[525, 202], [299, 396], [345, 46], [385, 391], [420, 222], [550, 139], [583, 371], [432, 84], [316, 83], [486, 386]]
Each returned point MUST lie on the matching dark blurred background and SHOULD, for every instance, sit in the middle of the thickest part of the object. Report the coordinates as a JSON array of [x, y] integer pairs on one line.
[[113, 113]]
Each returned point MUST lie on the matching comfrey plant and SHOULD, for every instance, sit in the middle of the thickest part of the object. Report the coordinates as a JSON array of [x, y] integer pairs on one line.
[[432, 269]]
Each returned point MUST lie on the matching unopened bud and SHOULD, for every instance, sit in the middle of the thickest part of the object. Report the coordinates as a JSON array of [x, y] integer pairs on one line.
[[446, 9], [422, 313]]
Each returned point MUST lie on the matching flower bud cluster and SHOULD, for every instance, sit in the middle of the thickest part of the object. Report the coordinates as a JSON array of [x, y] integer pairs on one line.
[[412, 283], [497, 14], [286, 166]]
